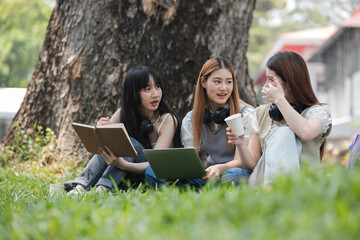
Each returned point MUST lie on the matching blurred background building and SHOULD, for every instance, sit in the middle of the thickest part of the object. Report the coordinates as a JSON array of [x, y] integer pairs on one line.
[[10, 101]]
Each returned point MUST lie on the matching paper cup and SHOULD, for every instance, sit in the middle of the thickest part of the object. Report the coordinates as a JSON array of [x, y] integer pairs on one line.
[[236, 124], [56, 189]]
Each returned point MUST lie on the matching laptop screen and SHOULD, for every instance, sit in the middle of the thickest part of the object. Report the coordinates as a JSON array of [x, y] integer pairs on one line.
[[175, 163]]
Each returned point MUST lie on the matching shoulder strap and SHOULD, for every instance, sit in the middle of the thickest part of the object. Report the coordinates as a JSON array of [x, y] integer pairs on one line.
[[162, 122], [243, 107], [265, 122]]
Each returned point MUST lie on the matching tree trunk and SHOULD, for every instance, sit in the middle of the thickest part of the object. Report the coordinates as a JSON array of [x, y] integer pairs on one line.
[[89, 46]]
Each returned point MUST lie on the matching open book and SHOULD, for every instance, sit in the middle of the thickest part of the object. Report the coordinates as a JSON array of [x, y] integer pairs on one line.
[[114, 136]]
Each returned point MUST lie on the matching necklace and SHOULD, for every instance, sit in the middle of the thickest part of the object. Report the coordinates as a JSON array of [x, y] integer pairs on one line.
[[157, 119]]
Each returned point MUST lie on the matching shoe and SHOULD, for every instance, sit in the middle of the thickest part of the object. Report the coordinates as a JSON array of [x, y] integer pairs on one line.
[[102, 189], [76, 191], [68, 185]]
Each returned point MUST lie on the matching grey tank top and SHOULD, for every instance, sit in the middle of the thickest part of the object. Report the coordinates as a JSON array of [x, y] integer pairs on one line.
[[215, 143]]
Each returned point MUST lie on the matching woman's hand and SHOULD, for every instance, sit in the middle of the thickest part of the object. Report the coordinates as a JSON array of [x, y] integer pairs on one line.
[[273, 92], [213, 173], [111, 159], [103, 121], [232, 138]]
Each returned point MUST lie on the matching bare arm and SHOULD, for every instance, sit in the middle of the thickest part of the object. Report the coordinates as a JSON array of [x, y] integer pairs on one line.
[[167, 132], [304, 129], [119, 162], [107, 120], [216, 170], [249, 154], [116, 116]]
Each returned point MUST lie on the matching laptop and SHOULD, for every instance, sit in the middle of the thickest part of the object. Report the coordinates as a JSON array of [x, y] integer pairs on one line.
[[175, 163]]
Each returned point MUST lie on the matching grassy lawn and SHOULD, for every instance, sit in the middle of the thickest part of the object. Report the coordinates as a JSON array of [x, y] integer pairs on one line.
[[323, 205], [306, 205]]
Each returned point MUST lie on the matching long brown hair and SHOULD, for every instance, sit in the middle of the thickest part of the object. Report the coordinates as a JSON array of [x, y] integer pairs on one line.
[[201, 99], [292, 69]]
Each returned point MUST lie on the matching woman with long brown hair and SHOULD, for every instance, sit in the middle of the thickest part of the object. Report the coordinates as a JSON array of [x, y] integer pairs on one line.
[[289, 131], [216, 98]]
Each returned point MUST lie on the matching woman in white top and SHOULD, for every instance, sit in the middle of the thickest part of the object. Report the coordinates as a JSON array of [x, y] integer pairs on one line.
[[216, 98], [150, 123], [291, 130]]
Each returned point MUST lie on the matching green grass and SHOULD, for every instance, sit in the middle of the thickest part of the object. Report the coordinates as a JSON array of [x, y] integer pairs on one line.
[[306, 205]]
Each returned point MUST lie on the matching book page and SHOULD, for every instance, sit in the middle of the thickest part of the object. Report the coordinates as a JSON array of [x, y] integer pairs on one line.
[[83, 125], [87, 136], [115, 125], [114, 136], [112, 125], [117, 139]]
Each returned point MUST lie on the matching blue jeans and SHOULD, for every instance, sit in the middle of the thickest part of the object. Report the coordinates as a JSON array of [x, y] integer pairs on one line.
[[155, 182], [97, 172], [230, 175], [235, 175]]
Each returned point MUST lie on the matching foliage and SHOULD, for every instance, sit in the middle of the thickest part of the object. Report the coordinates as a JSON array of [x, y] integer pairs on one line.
[[38, 144], [22, 27], [271, 18], [306, 205]]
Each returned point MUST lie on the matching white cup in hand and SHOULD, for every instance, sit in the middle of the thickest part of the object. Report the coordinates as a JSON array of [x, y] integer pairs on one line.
[[235, 123]]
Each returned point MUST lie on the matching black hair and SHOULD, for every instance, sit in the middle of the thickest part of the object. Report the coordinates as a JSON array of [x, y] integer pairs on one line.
[[136, 79]]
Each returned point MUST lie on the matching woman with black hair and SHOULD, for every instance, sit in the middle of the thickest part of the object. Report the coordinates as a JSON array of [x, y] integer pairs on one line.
[[150, 123]]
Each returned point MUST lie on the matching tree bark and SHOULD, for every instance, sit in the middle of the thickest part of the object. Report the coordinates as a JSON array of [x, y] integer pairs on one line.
[[89, 46]]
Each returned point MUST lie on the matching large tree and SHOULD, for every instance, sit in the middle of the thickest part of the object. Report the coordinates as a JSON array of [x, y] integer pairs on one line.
[[90, 45]]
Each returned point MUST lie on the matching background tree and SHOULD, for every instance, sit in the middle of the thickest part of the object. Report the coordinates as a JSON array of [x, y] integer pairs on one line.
[[90, 45], [271, 18], [22, 28]]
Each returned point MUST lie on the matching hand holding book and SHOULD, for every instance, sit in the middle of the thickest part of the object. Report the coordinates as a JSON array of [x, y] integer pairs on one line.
[[113, 136], [103, 121], [111, 159]]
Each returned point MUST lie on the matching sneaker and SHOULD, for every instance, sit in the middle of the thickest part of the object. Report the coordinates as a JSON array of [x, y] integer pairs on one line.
[[68, 185], [102, 189], [76, 191]]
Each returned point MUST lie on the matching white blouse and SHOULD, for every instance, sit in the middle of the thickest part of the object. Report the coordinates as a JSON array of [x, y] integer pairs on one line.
[[319, 112]]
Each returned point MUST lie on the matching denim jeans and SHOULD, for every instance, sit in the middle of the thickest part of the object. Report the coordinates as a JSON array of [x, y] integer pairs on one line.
[[155, 182], [230, 175], [235, 175], [97, 172]]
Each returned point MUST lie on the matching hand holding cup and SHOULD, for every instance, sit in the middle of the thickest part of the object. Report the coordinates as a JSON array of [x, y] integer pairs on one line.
[[235, 123]]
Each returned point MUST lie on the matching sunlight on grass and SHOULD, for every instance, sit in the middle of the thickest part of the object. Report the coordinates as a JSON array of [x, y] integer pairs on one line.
[[321, 204]]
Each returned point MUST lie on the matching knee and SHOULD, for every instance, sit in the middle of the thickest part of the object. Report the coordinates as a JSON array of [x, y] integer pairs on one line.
[[151, 178], [138, 147], [235, 175], [97, 159], [237, 172], [96, 156], [149, 173]]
